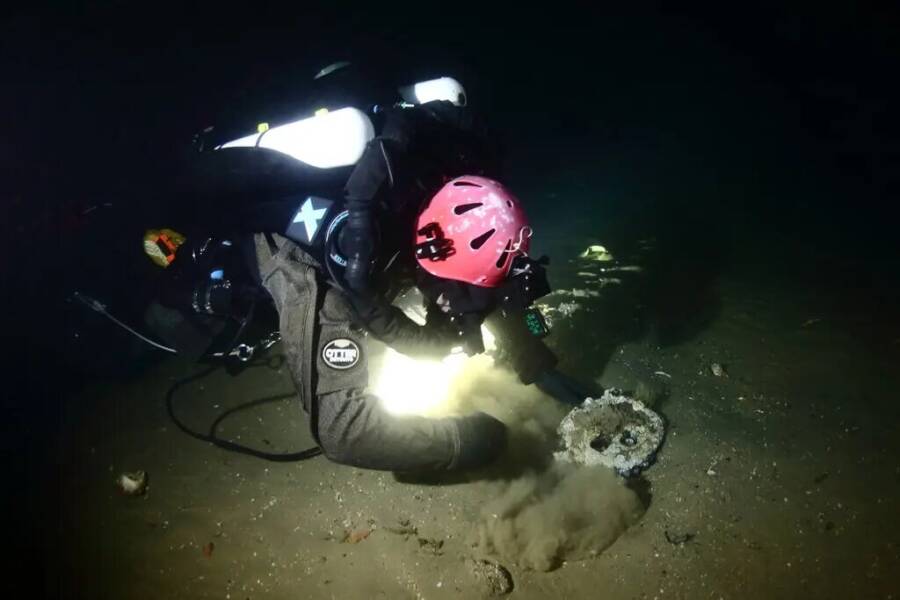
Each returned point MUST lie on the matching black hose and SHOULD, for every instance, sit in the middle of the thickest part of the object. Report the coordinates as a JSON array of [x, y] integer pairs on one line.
[[243, 326], [225, 444]]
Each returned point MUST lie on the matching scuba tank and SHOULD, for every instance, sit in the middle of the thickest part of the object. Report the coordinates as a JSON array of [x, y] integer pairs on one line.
[[291, 176], [326, 140]]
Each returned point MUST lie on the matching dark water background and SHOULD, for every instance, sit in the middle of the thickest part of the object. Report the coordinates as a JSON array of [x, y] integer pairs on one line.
[[761, 146]]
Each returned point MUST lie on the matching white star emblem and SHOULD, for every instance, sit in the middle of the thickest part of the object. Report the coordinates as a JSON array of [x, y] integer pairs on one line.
[[310, 217]]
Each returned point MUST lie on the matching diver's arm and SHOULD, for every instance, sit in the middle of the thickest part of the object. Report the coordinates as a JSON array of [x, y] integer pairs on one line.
[[366, 181], [528, 355], [440, 131], [534, 362], [358, 234], [390, 325]]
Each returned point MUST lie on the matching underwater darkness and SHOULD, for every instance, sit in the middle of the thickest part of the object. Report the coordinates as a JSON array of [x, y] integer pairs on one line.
[[744, 140]]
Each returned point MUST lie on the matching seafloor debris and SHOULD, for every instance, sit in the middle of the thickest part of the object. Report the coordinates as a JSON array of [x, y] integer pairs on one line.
[[493, 577], [561, 311], [718, 370], [403, 528], [356, 536], [133, 484], [623, 269], [679, 539], [567, 309], [574, 293], [598, 253], [614, 430], [431, 546]]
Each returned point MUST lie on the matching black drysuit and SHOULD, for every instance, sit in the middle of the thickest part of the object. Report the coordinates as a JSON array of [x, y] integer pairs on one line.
[[418, 149]]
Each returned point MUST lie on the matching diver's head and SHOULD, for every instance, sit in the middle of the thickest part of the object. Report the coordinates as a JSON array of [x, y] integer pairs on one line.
[[471, 231], [467, 238]]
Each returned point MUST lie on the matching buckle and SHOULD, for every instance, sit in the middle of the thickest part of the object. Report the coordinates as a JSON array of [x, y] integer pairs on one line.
[[435, 247]]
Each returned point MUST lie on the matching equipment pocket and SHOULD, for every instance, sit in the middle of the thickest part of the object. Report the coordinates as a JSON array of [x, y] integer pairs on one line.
[[341, 361]]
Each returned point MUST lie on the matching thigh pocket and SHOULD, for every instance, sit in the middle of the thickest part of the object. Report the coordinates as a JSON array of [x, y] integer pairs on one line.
[[341, 361]]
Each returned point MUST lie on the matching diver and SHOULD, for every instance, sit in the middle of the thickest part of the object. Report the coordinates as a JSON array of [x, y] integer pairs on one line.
[[350, 206]]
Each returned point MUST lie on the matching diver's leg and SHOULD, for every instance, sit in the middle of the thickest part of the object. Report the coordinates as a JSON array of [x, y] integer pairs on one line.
[[289, 275], [355, 429], [351, 426]]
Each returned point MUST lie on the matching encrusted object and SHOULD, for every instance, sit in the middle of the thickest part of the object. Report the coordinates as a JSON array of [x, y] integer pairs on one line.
[[494, 579], [614, 430]]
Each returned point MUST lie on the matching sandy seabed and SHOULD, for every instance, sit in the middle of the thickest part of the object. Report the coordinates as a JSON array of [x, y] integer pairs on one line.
[[778, 480]]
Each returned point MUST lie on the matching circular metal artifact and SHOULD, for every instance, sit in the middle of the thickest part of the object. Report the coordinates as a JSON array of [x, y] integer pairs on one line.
[[614, 430]]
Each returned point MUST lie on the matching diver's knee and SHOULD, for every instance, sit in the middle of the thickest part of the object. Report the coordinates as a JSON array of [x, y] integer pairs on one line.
[[337, 450]]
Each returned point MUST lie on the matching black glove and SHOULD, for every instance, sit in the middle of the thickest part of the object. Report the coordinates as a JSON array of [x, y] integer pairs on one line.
[[564, 388], [469, 326], [528, 355], [526, 285], [464, 306]]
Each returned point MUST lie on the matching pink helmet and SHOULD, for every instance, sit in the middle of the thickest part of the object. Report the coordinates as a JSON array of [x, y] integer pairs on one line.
[[471, 231]]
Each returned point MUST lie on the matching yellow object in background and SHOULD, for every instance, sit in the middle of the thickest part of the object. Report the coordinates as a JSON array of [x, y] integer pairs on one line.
[[161, 245], [598, 253]]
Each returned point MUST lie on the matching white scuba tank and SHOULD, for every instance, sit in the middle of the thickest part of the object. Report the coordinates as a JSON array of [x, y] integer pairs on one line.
[[326, 140], [442, 88]]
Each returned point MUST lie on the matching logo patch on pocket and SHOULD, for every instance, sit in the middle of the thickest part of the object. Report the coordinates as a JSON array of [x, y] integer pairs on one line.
[[341, 354]]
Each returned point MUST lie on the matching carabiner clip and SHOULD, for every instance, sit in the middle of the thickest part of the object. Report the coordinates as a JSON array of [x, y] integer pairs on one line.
[[270, 340], [243, 352]]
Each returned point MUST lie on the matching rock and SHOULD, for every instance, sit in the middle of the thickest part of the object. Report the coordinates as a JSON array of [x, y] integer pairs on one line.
[[597, 253], [679, 539], [133, 484], [494, 579], [431, 545], [718, 370], [355, 537]]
